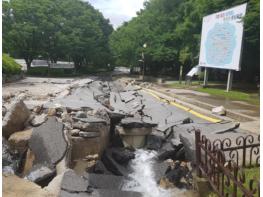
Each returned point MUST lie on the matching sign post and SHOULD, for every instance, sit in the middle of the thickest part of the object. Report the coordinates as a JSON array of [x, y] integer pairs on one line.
[[229, 80], [205, 77]]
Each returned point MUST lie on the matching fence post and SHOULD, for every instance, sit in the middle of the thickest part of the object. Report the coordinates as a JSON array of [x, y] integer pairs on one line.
[[244, 153], [198, 152], [235, 170]]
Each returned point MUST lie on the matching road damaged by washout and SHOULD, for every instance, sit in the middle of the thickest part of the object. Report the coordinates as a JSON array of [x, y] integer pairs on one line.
[[95, 136]]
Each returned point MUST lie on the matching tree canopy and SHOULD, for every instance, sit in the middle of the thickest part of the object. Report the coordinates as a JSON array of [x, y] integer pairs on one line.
[[73, 30], [56, 30], [172, 31]]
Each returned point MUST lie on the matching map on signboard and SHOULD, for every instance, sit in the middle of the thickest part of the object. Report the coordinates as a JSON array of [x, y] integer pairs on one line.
[[220, 44], [221, 39]]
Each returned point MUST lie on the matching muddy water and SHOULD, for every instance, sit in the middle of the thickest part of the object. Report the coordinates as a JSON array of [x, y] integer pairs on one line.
[[143, 176]]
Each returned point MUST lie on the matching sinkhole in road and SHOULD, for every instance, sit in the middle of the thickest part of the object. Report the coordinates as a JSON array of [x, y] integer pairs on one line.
[[143, 176]]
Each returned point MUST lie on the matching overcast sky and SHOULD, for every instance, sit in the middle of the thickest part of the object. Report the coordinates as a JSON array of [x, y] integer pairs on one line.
[[118, 11]]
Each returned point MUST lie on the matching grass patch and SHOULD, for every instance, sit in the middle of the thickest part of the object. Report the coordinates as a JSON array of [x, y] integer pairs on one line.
[[10, 67], [250, 173], [232, 95], [183, 85], [242, 92]]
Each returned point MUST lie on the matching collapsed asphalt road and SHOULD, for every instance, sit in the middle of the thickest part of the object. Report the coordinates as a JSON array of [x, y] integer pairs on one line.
[[81, 138]]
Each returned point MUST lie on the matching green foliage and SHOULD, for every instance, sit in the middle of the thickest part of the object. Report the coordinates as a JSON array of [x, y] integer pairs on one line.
[[250, 173], [232, 95], [10, 67], [52, 72], [56, 72], [92, 70], [242, 92], [56, 30], [37, 71], [172, 31]]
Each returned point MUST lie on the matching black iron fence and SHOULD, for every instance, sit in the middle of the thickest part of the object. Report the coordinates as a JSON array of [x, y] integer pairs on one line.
[[225, 162]]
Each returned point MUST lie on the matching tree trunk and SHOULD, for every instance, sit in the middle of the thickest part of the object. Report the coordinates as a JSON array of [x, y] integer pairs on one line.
[[28, 63], [78, 63]]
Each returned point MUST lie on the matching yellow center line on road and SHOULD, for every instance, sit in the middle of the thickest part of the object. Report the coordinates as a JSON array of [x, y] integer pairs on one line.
[[199, 115]]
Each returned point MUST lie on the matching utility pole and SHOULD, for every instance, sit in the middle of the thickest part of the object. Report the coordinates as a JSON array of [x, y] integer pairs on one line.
[[143, 59], [143, 66]]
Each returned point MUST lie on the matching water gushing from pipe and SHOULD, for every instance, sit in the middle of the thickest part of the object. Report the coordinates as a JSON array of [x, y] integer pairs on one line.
[[143, 175]]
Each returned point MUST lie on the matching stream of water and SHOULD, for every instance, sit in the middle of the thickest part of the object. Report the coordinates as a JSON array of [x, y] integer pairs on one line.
[[142, 178]]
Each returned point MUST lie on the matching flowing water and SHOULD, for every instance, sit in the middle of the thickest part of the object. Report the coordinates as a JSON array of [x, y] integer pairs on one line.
[[142, 178]]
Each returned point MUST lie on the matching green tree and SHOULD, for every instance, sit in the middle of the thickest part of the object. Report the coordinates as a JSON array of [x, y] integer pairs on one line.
[[56, 30], [21, 34], [172, 31]]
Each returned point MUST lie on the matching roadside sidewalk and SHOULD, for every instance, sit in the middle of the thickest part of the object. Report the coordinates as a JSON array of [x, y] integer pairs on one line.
[[247, 114]]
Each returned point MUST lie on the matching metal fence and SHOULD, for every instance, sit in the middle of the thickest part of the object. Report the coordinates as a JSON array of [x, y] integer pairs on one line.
[[223, 163]]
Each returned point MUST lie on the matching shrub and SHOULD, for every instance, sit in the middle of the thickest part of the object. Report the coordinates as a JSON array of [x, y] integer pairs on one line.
[[92, 70], [69, 72], [10, 67], [56, 72], [38, 71], [53, 72]]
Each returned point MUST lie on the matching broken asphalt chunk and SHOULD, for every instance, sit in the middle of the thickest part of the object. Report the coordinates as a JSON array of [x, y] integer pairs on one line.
[[48, 142], [73, 183], [40, 173], [112, 165], [154, 141], [136, 123]]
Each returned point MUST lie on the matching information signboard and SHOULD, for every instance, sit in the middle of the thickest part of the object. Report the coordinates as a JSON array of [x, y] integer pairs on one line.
[[221, 39]]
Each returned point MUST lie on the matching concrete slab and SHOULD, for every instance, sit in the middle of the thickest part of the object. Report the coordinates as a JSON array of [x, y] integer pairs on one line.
[[79, 98], [73, 183], [48, 142]]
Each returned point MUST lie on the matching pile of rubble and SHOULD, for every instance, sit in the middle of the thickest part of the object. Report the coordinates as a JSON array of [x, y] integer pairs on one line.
[[80, 142]]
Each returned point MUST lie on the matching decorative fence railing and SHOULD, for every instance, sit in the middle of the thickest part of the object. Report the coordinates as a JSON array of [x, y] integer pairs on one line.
[[223, 163]]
